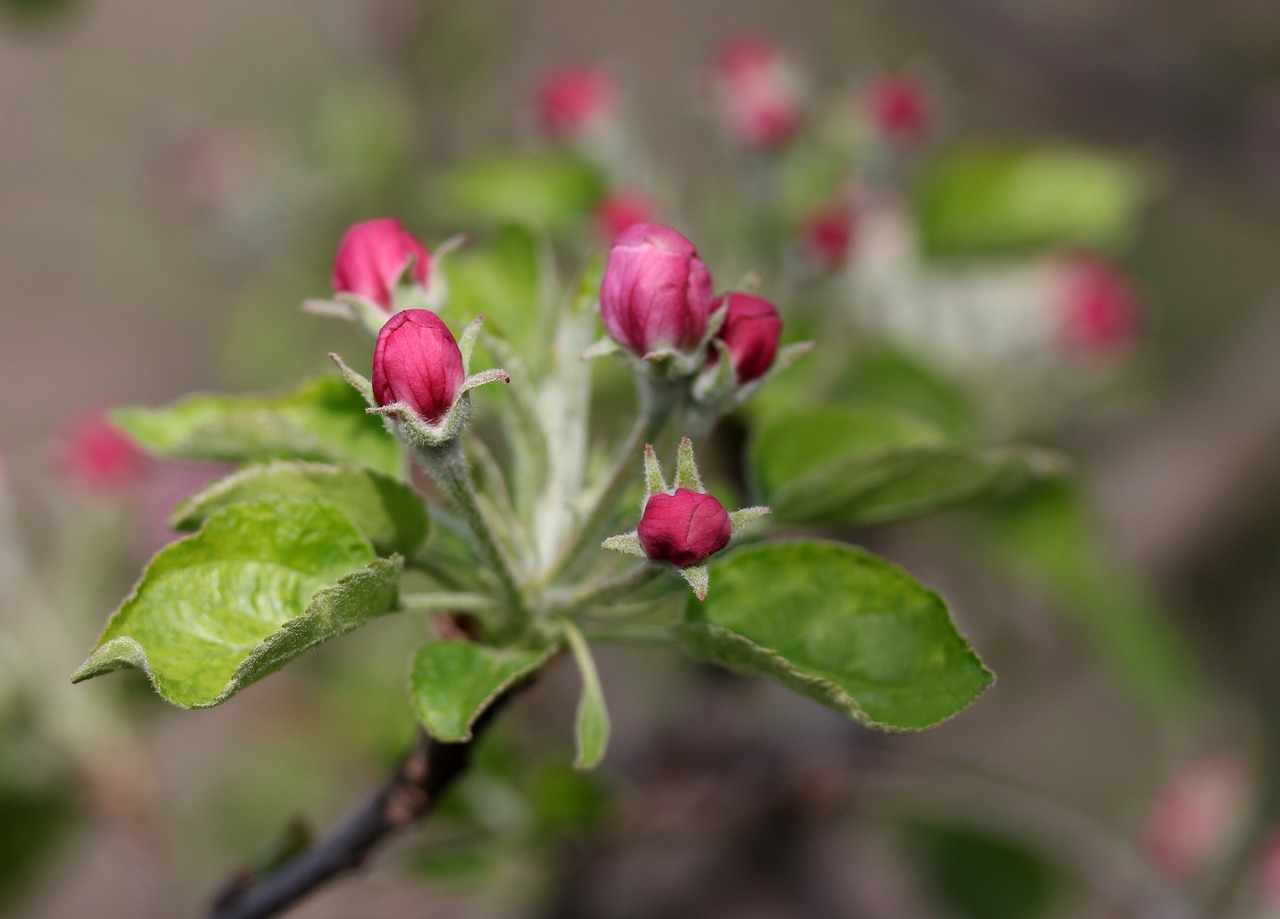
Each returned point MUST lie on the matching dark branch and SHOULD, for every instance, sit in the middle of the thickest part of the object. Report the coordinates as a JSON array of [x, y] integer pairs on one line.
[[409, 794]]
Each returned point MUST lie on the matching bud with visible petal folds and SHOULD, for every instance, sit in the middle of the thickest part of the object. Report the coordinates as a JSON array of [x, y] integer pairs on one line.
[[417, 362], [683, 528], [656, 293], [372, 259], [751, 331]]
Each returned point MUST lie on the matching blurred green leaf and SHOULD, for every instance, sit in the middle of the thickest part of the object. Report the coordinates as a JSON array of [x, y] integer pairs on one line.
[[453, 682], [259, 585], [896, 380], [322, 420], [365, 143], [552, 192], [871, 465], [566, 799], [390, 513], [1048, 535], [840, 626], [32, 821], [497, 279], [981, 201], [979, 875]]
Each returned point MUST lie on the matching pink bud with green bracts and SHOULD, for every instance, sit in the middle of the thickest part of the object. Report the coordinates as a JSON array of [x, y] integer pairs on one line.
[[684, 528], [417, 362], [656, 293], [751, 331], [373, 256]]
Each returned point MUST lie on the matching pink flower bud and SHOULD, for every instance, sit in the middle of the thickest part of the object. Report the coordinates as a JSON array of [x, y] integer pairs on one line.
[[621, 210], [899, 108], [751, 330], [656, 293], [683, 528], [1101, 313], [417, 361], [828, 237], [372, 256], [99, 457], [760, 92], [574, 99], [1194, 813]]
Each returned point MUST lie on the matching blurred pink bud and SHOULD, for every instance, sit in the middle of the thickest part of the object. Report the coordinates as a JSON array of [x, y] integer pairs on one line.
[[760, 92], [899, 108], [1269, 869], [574, 99], [828, 237], [751, 331], [620, 210], [417, 361], [656, 293], [1192, 815], [373, 255], [1101, 312], [99, 457], [683, 528]]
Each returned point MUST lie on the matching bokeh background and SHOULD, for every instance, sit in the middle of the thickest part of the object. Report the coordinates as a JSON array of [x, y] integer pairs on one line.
[[174, 177]]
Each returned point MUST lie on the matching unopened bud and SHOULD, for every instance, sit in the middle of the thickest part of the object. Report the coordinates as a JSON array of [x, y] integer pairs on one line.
[[99, 457], [372, 259], [417, 362], [899, 108], [1100, 310], [575, 100], [683, 528], [760, 92], [751, 331], [828, 237], [621, 210]]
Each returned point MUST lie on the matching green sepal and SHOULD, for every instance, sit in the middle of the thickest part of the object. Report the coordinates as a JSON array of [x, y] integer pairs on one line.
[[259, 585], [322, 420], [841, 626], [389, 512], [453, 682]]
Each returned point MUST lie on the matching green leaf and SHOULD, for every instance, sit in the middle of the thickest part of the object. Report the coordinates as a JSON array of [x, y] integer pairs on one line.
[[390, 513], [545, 191], [871, 465], [892, 379], [978, 874], [1048, 535], [453, 682], [840, 626], [591, 726], [497, 279], [259, 585], [982, 201], [323, 420]]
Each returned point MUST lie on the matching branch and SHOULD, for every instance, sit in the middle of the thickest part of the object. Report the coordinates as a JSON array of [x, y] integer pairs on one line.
[[411, 793]]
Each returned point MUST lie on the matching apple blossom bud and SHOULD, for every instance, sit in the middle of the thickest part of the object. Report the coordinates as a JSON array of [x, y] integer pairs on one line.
[[1194, 814], [899, 108], [751, 331], [99, 457], [417, 361], [1101, 312], [828, 237], [760, 92], [620, 210], [575, 99], [372, 257], [656, 293], [683, 528]]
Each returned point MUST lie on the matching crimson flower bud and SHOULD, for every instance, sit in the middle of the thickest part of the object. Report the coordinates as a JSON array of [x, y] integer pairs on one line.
[[372, 256], [1101, 312], [620, 210], [574, 99], [828, 237], [656, 293], [683, 528], [98, 457], [899, 108], [751, 331], [417, 361], [760, 92]]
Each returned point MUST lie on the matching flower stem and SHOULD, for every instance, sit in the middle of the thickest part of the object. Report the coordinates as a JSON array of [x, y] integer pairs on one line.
[[607, 590], [447, 464]]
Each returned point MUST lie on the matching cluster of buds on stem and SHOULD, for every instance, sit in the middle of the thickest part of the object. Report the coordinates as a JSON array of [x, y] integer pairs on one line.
[[681, 525]]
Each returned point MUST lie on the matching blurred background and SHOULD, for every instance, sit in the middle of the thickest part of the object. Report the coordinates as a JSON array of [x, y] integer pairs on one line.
[[174, 180]]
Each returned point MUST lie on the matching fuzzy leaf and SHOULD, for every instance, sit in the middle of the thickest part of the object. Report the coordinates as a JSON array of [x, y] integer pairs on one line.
[[591, 726], [387, 511], [259, 585], [840, 626], [868, 465], [323, 420], [453, 682]]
